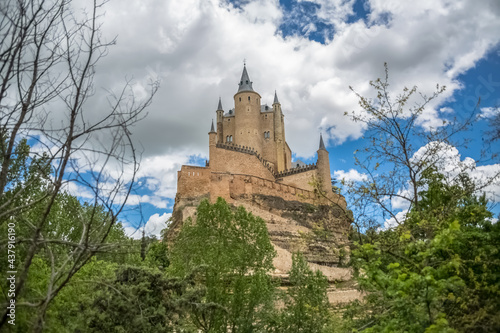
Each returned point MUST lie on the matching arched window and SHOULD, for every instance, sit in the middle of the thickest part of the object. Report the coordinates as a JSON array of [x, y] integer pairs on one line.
[[230, 138], [249, 98], [227, 138]]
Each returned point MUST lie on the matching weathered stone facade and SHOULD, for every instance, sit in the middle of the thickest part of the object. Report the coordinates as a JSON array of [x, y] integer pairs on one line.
[[250, 165]]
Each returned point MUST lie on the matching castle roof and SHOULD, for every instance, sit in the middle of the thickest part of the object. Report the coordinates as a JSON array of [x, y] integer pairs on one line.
[[321, 143], [212, 129], [275, 98], [245, 83], [219, 107]]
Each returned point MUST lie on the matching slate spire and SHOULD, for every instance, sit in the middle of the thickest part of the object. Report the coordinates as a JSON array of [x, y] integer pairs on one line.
[[219, 107], [321, 143], [276, 98], [212, 129], [245, 83]]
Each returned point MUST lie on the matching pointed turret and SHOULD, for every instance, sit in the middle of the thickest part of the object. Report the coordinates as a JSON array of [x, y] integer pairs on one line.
[[321, 143], [323, 166], [219, 107], [276, 98], [220, 116], [245, 83], [279, 135], [212, 129]]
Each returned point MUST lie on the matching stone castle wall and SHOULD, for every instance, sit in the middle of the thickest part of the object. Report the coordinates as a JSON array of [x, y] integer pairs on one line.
[[240, 172], [193, 181], [237, 160]]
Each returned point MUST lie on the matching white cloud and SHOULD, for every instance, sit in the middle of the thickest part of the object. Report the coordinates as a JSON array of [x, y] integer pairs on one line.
[[351, 175], [489, 112], [196, 48], [449, 162], [153, 227], [395, 221]]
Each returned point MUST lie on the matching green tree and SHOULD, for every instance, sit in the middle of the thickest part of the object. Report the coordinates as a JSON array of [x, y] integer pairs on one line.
[[232, 252], [436, 272], [307, 308], [157, 255], [140, 299], [400, 145]]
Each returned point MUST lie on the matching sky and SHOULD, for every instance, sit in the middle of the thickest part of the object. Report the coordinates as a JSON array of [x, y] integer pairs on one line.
[[310, 53]]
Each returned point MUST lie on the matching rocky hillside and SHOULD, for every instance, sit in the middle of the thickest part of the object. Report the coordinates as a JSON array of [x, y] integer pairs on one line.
[[319, 232]]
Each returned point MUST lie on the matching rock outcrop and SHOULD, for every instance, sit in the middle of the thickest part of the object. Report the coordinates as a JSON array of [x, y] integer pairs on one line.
[[320, 232]]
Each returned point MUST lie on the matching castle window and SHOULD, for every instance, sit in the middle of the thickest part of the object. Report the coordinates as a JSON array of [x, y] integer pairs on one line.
[[230, 138], [229, 120], [249, 98], [267, 135], [240, 99], [265, 116]]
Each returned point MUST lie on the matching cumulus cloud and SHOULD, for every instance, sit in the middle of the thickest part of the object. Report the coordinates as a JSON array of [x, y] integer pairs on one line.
[[449, 162], [350, 176], [153, 226], [489, 112], [396, 220], [196, 48]]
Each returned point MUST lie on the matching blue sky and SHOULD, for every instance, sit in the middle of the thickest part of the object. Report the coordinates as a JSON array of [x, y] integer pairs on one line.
[[310, 52]]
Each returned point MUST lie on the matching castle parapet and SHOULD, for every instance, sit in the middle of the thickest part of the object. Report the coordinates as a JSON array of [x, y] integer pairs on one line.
[[238, 148], [297, 170]]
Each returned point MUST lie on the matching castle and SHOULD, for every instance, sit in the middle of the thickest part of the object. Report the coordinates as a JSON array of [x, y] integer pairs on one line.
[[248, 154], [250, 165]]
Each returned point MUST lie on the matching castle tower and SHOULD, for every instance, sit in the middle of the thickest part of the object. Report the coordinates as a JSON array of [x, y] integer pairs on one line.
[[247, 114], [323, 165], [220, 113], [212, 141], [279, 135]]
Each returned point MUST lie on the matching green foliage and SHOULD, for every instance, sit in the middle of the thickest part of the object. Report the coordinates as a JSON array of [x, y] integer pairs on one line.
[[233, 254], [157, 255], [307, 308], [436, 272], [140, 300]]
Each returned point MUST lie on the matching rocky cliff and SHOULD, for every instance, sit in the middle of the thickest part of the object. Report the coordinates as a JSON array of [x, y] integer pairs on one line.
[[320, 232]]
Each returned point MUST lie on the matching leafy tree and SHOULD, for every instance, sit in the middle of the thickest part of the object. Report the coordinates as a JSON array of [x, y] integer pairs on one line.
[[400, 146], [436, 272], [140, 300], [306, 303], [157, 255], [233, 253]]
